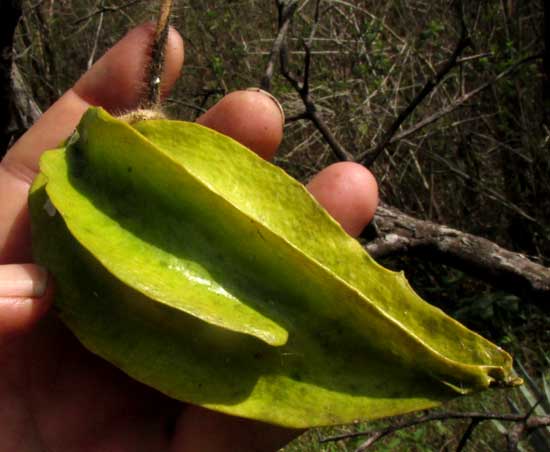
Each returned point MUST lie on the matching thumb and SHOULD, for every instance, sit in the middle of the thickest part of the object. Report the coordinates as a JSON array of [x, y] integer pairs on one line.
[[25, 296]]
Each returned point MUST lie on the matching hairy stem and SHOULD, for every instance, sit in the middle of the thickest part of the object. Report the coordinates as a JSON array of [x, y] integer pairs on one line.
[[158, 54]]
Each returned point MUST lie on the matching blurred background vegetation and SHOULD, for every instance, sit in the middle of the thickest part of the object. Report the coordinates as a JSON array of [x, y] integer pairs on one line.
[[482, 168]]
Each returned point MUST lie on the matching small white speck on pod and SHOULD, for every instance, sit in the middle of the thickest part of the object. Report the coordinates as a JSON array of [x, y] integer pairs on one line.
[[50, 208]]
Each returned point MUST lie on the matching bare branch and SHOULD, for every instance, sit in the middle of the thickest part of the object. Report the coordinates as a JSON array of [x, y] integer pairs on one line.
[[302, 88], [401, 233], [286, 12], [104, 9], [307, 47], [297, 117], [474, 57], [27, 110], [463, 43], [475, 185], [527, 423], [96, 39], [467, 434], [460, 101], [334, 144]]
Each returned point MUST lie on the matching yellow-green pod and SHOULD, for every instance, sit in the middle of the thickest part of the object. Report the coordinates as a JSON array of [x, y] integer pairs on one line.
[[211, 275]]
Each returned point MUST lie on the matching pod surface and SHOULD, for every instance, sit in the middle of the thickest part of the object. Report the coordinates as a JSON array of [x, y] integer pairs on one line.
[[203, 271]]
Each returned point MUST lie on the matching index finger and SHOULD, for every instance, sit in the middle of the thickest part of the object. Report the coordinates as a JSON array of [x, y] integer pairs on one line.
[[114, 82]]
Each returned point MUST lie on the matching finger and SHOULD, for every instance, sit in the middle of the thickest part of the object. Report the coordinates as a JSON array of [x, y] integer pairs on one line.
[[25, 296], [253, 117], [209, 431], [116, 82], [349, 192]]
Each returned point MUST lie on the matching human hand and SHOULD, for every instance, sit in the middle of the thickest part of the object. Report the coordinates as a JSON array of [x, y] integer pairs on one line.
[[54, 394]]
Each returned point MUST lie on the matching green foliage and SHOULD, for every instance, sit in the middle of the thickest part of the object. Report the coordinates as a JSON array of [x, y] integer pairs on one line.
[[217, 66], [432, 31]]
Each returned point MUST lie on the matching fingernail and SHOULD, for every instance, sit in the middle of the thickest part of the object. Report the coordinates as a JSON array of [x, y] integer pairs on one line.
[[272, 97], [23, 280]]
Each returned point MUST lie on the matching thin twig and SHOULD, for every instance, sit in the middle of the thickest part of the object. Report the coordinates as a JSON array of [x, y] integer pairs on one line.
[[479, 56], [529, 424], [491, 193], [105, 9], [190, 105], [307, 47], [158, 54], [463, 43], [467, 434], [302, 88], [460, 101], [96, 39], [286, 11], [294, 118]]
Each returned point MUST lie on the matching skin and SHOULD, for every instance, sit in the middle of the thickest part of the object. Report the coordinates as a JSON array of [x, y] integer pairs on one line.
[[54, 394]]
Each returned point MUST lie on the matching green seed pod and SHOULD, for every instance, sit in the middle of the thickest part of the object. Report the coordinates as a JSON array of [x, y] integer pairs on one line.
[[211, 275]]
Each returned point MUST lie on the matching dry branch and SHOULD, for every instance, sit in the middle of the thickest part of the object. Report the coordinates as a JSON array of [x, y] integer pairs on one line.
[[302, 88], [91, 59], [460, 101], [105, 9], [524, 424], [27, 110], [286, 11], [399, 233], [463, 43]]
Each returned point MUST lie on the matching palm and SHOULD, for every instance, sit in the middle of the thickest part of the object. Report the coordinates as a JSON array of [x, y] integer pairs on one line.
[[57, 396]]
